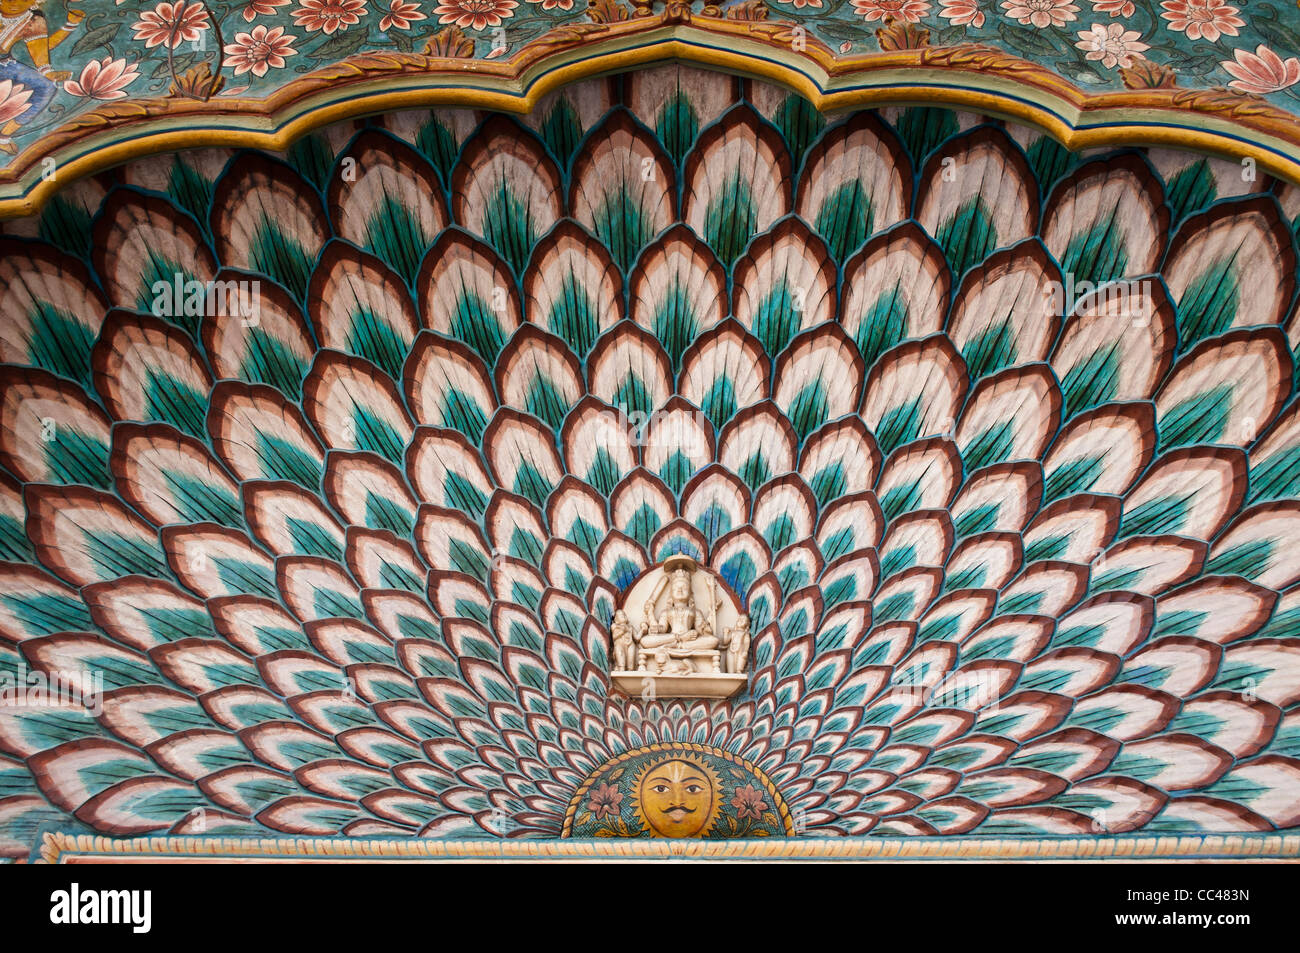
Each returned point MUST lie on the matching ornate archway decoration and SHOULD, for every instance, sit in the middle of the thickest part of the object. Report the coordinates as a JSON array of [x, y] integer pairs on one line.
[[88, 122]]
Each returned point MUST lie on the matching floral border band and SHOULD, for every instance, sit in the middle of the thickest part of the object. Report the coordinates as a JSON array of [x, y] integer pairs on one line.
[[969, 76], [57, 848]]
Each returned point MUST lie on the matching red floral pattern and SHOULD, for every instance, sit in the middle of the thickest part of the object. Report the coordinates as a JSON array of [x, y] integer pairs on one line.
[[909, 11], [329, 15], [260, 50], [172, 24], [475, 14], [605, 800], [748, 802], [1202, 19], [1262, 72], [1040, 13], [962, 12], [103, 79]]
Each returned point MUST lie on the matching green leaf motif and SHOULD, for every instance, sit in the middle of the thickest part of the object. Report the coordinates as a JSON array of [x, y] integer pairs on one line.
[[968, 235], [1162, 515], [1209, 305], [845, 219], [312, 157], [508, 227], [280, 256], [438, 145], [677, 126], [573, 316], [1092, 382], [1199, 419], [561, 131], [991, 350], [799, 123], [284, 461], [59, 342], [75, 457], [1098, 255], [395, 235], [776, 320], [474, 323], [191, 191], [269, 361], [674, 322], [1191, 189], [66, 225], [922, 128], [730, 219], [175, 402]]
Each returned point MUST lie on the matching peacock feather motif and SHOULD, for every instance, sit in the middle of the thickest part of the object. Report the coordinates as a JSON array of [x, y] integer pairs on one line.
[[330, 468]]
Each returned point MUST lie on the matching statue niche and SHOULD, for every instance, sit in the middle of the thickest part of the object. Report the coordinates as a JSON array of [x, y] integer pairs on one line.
[[680, 634]]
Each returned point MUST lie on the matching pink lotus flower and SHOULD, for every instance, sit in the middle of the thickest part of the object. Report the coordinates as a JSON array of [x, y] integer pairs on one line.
[[1116, 8], [907, 11], [554, 4], [798, 4], [1202, 18], [605, 799], [400, 15], [329, 15], [171, 24], [258, 8], [961, 12], [103, 79], [1262, 72], [260, 50], [14, 100], [475, 14], [1041, 13], [1112, 45], [748, 802]]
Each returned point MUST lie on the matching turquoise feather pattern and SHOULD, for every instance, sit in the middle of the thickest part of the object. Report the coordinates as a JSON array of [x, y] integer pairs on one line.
[[322, 475]]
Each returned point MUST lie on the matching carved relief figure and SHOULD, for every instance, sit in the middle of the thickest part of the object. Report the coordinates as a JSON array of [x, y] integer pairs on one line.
[[671, 634], [624, 641], [680, 640], [736, 641]]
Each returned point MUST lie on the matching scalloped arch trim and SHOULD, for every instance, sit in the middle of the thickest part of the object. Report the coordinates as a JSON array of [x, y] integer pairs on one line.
[[965, 76]]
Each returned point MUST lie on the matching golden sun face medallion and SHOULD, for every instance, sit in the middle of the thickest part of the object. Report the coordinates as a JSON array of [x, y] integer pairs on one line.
[[678, 797]]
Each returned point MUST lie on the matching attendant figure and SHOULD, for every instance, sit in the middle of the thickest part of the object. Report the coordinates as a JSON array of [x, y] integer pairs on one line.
[[624, 643], [737, 639]]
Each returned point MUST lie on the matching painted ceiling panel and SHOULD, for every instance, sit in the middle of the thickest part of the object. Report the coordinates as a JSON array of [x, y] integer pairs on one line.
[[86, 83], [331, 467]]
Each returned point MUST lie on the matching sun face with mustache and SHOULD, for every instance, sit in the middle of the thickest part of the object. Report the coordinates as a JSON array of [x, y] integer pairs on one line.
[[678, 797]]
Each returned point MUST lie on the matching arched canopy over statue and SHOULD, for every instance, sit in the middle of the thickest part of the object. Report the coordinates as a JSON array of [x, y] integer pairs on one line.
[[680, 633]]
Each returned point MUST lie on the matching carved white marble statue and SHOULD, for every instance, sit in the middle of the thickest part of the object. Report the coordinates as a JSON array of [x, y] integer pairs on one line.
[[679, 640], [674, 629], [624, 641], [735, 640]]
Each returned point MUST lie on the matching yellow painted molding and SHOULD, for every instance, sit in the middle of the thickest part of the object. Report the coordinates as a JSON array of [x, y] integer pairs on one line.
[[968, 76], [57, 848]]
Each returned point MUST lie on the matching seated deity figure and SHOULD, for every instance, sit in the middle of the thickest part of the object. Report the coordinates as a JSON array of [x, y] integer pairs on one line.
[[680, 632]]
